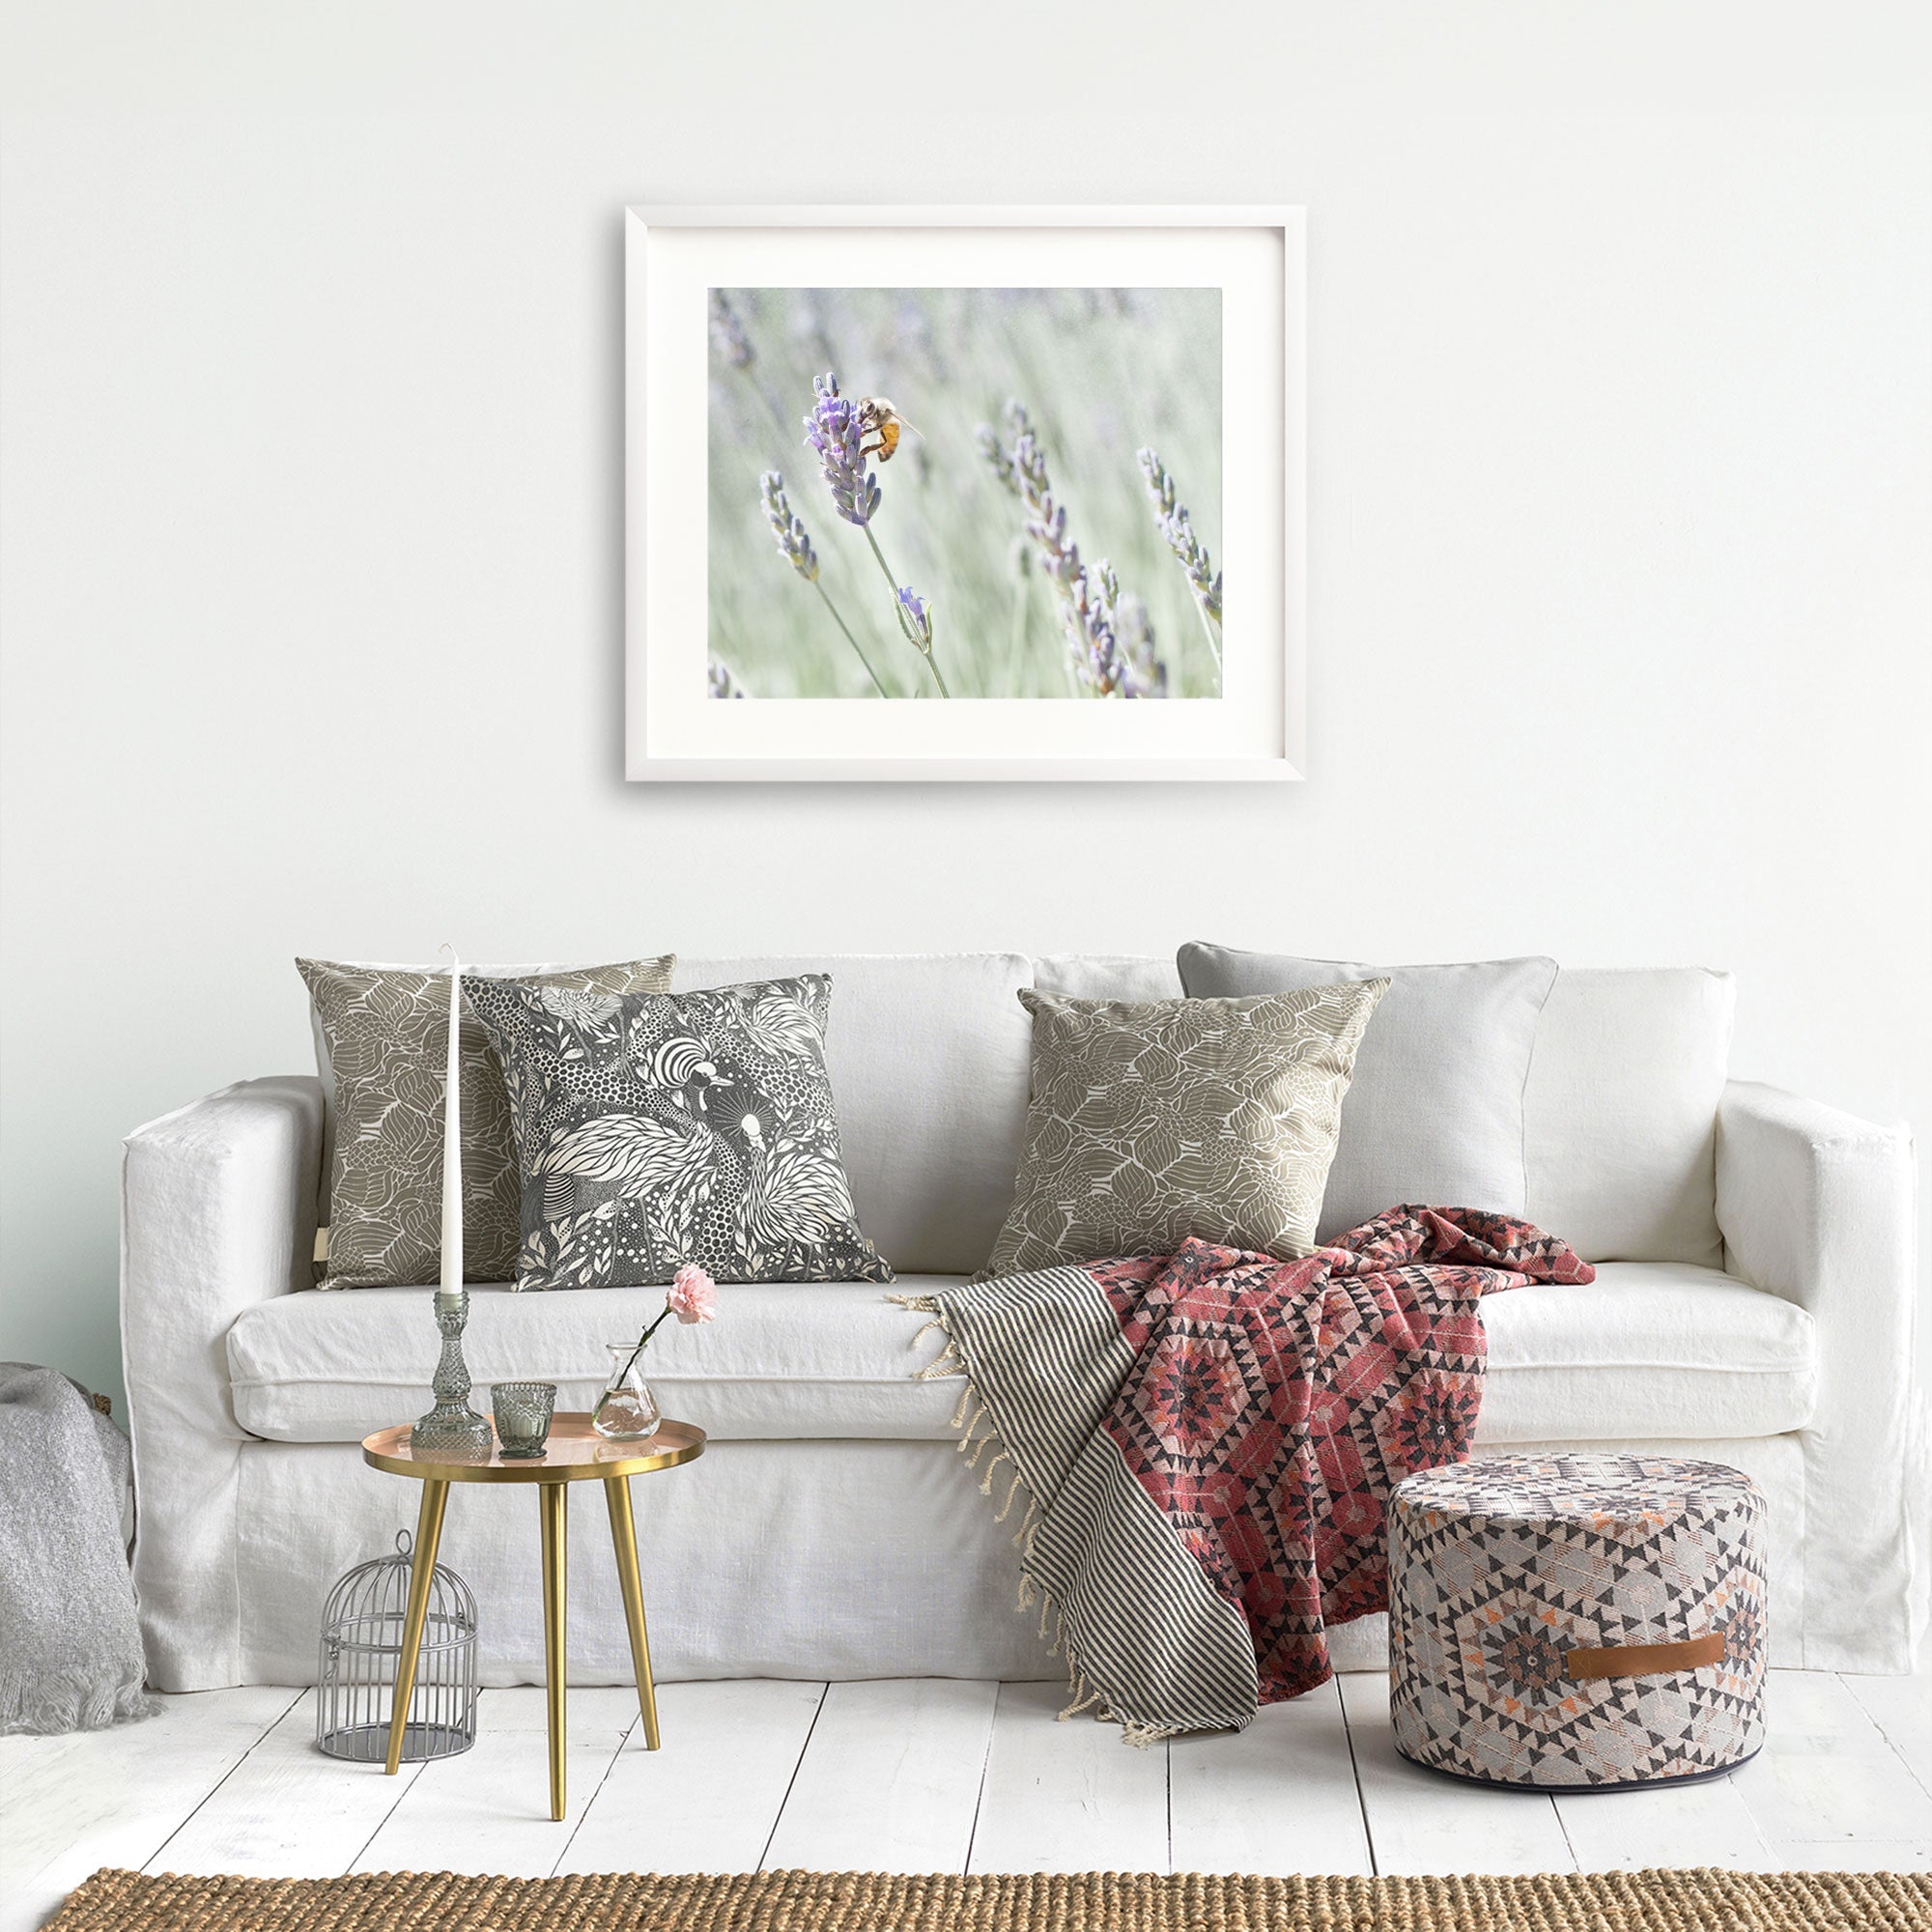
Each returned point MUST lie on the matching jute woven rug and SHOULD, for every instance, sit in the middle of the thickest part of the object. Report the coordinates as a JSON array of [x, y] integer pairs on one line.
[[1651, 1901]]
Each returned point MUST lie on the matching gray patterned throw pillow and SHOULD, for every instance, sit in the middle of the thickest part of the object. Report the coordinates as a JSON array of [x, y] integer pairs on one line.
[[653, 1130], [1150, 1123], [385, 1031]]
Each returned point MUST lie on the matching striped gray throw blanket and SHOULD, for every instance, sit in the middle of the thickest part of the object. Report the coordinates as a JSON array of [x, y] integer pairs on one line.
[[1204, 1444]]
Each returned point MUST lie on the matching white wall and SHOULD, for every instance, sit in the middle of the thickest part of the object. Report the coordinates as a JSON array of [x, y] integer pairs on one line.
[[1620, 519]]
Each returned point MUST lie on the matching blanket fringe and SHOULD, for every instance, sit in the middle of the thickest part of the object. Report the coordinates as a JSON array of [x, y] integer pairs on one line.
[[980, 1430], [1023, 1536], [1005, 1509], [1084, 1694]]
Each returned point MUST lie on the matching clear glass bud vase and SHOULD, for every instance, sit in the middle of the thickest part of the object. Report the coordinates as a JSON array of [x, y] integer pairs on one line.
[[626, 1411]]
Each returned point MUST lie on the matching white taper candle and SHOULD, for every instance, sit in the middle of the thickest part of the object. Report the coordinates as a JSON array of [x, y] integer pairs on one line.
[[452, 1139]]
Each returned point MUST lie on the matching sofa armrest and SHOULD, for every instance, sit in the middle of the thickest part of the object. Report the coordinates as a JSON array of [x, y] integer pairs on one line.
[[1816, 1205], [217, 1212]]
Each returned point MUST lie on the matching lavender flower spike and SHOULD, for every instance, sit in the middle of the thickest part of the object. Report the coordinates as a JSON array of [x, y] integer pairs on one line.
[[1137, 641], [832, 433], [794, 545], [720, 681], [1172, 521], [1095, 618], [1089, 598]]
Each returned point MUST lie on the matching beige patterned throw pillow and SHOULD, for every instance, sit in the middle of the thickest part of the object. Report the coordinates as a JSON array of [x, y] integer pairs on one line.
[[386, 1032], [1151, 1122]]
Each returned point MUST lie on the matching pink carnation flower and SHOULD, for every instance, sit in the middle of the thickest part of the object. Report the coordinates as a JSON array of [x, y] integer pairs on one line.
[[692, 1295]]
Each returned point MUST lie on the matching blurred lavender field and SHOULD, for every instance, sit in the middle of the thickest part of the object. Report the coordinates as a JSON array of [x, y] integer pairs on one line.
[[1100, 374]]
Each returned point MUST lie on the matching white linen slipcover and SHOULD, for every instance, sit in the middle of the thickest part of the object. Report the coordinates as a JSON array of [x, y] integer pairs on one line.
[[851, 1556], [1649, 1349], [760, 1559], [1816, 1206]]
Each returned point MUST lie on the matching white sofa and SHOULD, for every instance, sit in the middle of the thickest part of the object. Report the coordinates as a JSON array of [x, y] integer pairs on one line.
[[1753, 1305]]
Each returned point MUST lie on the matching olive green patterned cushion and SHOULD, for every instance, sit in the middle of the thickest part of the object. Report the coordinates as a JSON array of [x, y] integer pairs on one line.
[[385, 1032], [1151, 1122]]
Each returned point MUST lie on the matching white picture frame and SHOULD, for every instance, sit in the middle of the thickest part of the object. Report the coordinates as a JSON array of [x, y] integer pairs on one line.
[[1256, 729]]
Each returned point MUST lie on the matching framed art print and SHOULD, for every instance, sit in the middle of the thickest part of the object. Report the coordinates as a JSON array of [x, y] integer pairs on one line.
[[964, 493]]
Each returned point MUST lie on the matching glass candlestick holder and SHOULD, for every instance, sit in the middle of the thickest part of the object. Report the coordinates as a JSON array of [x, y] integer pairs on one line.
[[452, 1432]]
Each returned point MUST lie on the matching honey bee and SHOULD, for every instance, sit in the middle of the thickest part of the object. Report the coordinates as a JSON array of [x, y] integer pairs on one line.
[[879, 418]]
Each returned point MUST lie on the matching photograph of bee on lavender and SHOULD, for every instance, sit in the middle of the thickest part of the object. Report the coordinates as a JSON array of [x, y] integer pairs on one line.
[[965, 493]]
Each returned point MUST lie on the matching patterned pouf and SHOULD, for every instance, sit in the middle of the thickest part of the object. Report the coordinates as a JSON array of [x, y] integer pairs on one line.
[[1578, 1621]]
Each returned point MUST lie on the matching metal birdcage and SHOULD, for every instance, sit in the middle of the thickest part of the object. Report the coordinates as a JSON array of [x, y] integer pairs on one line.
[[362, 1641]]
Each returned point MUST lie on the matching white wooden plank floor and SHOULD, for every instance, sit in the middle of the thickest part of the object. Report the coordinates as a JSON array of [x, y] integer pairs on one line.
[[926, 1774]]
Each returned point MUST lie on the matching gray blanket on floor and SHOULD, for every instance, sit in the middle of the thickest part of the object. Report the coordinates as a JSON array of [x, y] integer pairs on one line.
[[70, 1654]]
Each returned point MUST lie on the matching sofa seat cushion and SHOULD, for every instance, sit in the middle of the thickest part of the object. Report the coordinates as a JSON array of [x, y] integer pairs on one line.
[[782, 1359], [1649, 1351], [1652, 1351]]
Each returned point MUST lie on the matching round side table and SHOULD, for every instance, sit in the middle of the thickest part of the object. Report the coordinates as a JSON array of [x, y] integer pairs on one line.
[[574, 1454]]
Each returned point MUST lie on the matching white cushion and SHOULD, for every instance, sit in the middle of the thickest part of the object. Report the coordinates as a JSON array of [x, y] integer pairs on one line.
[[1107, 976], [1647, 1351], [1621, 1108], [1434, 1112], [928, 1056]]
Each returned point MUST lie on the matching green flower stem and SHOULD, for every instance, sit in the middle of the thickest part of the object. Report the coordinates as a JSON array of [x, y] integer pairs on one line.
[[906, 623], [898, 609], [851, 640], [651, 1330], [1213, 634]]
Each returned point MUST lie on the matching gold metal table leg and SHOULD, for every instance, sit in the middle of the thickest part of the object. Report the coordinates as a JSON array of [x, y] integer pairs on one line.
[[422, 1568], [624, 1535], [553, 1502]]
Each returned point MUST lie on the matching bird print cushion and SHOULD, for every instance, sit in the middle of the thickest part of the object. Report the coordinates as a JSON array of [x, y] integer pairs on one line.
[[654, 1129]]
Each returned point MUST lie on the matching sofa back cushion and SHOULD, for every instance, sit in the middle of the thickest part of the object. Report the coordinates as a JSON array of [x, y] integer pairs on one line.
[[1434, 1112], [1107, 976], [1620, 1112], [928, 1055]]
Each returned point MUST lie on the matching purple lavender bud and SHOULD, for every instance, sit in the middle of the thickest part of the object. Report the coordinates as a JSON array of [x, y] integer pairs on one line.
[[720, 681], [794, 545], [833, 435], [917, 610]]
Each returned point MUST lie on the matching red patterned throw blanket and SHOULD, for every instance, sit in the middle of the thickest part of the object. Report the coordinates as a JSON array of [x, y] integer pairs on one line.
[[1206, 1444]]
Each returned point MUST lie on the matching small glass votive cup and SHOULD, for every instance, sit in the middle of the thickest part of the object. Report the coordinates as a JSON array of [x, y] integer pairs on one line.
[[522, 1412]]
